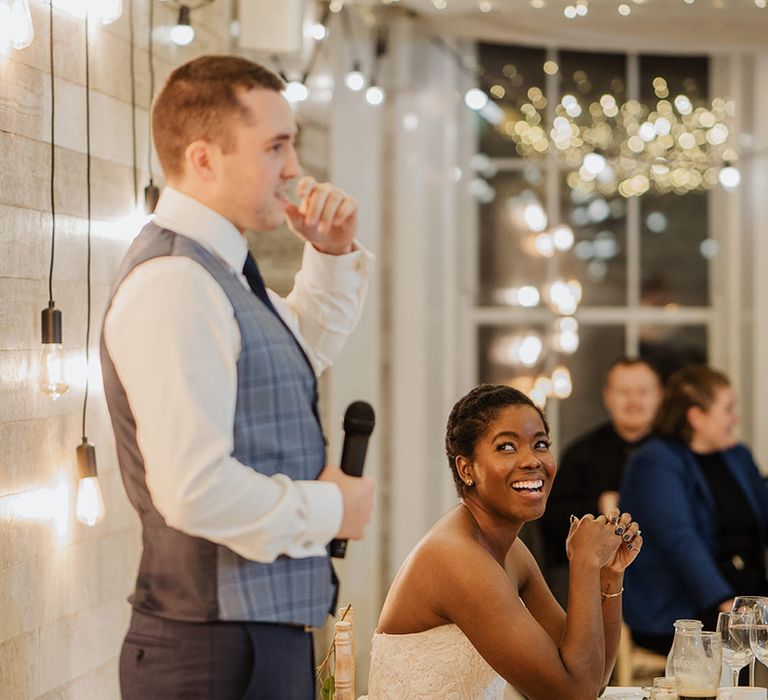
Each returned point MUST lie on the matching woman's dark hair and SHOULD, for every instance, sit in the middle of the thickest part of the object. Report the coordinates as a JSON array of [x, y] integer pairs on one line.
[[690, 386], [470, 418]]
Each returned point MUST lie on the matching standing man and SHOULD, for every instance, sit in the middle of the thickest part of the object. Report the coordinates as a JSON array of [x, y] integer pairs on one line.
[[211, 385], [590, 470]]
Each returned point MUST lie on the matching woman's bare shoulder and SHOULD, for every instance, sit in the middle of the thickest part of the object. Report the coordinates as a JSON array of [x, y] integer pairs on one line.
[[447, 553]]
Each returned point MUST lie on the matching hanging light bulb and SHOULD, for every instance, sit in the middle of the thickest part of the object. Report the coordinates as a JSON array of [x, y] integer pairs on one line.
[[52, 376], [296, 91], [20, 31], [355, 80], [183, 33], [729, 177], [561, 382], [151, 197], [90, 504], [475, 99], [375, 95]]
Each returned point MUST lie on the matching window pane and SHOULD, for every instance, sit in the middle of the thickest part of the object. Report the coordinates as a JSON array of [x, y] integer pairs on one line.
[[675, 249], [514, 71], [506, 263], [588, 76], [599, 346], [598, 259], [685, 75], [671, 347]]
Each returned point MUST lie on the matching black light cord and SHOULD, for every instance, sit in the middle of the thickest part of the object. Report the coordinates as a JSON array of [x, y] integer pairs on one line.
[[53, 161], [133, 108], [317, 47], [151, 86], [277, 64], [349, 35], [88, 235]]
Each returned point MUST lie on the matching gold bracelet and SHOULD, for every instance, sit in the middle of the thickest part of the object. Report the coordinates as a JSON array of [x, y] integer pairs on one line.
[[612, 595]]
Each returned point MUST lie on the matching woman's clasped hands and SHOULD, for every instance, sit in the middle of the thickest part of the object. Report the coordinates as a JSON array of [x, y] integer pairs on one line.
[[610, 541]]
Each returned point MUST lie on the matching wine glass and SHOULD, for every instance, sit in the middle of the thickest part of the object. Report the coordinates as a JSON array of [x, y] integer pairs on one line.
[[698, 660], [746, 604], [758, 632], [734, 629]]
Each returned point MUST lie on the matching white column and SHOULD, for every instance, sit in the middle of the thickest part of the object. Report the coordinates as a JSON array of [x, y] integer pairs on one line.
[[355, 164], [756, 184]]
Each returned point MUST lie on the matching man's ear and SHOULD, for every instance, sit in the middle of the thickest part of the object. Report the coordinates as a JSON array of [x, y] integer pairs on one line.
[[201, 159]]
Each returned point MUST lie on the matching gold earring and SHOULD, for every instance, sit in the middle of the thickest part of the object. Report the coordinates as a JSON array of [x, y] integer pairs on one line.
[[469, 482]]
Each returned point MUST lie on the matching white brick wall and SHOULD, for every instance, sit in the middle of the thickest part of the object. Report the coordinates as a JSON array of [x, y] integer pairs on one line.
[[63, 586]]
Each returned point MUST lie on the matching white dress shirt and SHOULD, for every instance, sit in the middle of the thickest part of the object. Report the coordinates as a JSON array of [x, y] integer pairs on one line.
[[173, 338]]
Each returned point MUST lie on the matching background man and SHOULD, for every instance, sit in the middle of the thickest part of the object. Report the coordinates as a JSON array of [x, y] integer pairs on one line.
[[211, 386], [591, 467]]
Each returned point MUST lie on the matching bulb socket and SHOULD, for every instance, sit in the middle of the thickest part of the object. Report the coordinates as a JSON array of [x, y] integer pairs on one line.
[[86, 460], [151, 197], [50, 322], [184, 12]]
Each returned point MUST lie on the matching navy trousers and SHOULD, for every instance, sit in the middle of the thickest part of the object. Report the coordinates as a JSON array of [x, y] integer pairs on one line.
[[166, 659]]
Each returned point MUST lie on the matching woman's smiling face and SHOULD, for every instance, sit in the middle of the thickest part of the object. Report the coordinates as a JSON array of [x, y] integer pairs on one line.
[[512, 468]]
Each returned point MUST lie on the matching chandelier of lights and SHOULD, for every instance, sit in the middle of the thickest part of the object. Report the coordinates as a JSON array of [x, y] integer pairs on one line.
[[674, 145]]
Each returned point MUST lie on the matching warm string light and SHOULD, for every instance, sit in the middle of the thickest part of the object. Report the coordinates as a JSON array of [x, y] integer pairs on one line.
[[670, 146], [183, 33], [90, 505], [52, 379], [296, 90]]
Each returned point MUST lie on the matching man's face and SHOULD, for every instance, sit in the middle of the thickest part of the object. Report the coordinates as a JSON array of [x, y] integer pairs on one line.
[[632, 396], [253, 179]]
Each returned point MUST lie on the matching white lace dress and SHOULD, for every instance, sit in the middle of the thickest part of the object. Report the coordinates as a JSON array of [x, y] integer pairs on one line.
[[438, 663]]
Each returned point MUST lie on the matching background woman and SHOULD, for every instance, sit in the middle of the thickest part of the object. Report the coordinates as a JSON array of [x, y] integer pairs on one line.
[[469, 608], [704, 510]]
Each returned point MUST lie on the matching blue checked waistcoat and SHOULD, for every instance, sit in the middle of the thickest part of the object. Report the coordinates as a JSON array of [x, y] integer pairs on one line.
[[276, 431]]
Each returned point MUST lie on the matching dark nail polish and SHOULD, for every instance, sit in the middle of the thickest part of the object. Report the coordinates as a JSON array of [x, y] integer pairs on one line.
[[627, 537], [630, 546], [619, 530]]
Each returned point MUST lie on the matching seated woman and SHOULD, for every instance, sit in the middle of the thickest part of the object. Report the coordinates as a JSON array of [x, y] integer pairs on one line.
[[469, 607], [704, 508]]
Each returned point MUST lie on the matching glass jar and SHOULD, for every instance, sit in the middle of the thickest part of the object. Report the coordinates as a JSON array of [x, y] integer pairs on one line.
[[680, 626]]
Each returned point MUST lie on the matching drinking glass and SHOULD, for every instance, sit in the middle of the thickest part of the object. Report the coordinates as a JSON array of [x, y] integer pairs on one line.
[[698, 663], [758, 632], [746, 604], [734, 629]]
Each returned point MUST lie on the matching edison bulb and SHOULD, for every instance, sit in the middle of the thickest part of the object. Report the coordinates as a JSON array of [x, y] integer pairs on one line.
[[52, 376], [90, 504], [355, 80]]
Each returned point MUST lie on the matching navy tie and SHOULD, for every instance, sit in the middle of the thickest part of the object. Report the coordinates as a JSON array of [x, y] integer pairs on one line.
[[256, 283]]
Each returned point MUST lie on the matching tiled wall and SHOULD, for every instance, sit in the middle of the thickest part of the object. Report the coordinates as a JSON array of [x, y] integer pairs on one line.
[[63, 585]]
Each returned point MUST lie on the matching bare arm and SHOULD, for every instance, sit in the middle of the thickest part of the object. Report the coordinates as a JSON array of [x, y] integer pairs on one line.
[[478, 596]]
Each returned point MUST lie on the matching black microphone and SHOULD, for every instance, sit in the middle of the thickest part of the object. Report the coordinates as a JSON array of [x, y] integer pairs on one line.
[[358, 426]]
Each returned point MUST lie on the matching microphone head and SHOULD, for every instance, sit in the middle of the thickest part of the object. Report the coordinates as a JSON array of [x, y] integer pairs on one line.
[[359, 418]]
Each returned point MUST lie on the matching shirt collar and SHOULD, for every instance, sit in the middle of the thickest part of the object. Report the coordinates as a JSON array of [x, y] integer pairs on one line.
[[187, 216]]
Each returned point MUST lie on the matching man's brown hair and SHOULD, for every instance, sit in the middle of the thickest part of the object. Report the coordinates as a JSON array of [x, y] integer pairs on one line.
[[199, 100]]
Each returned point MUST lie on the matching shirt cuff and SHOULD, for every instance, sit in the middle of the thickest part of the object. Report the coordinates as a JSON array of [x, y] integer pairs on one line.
[[324, 511], [336, 271]]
